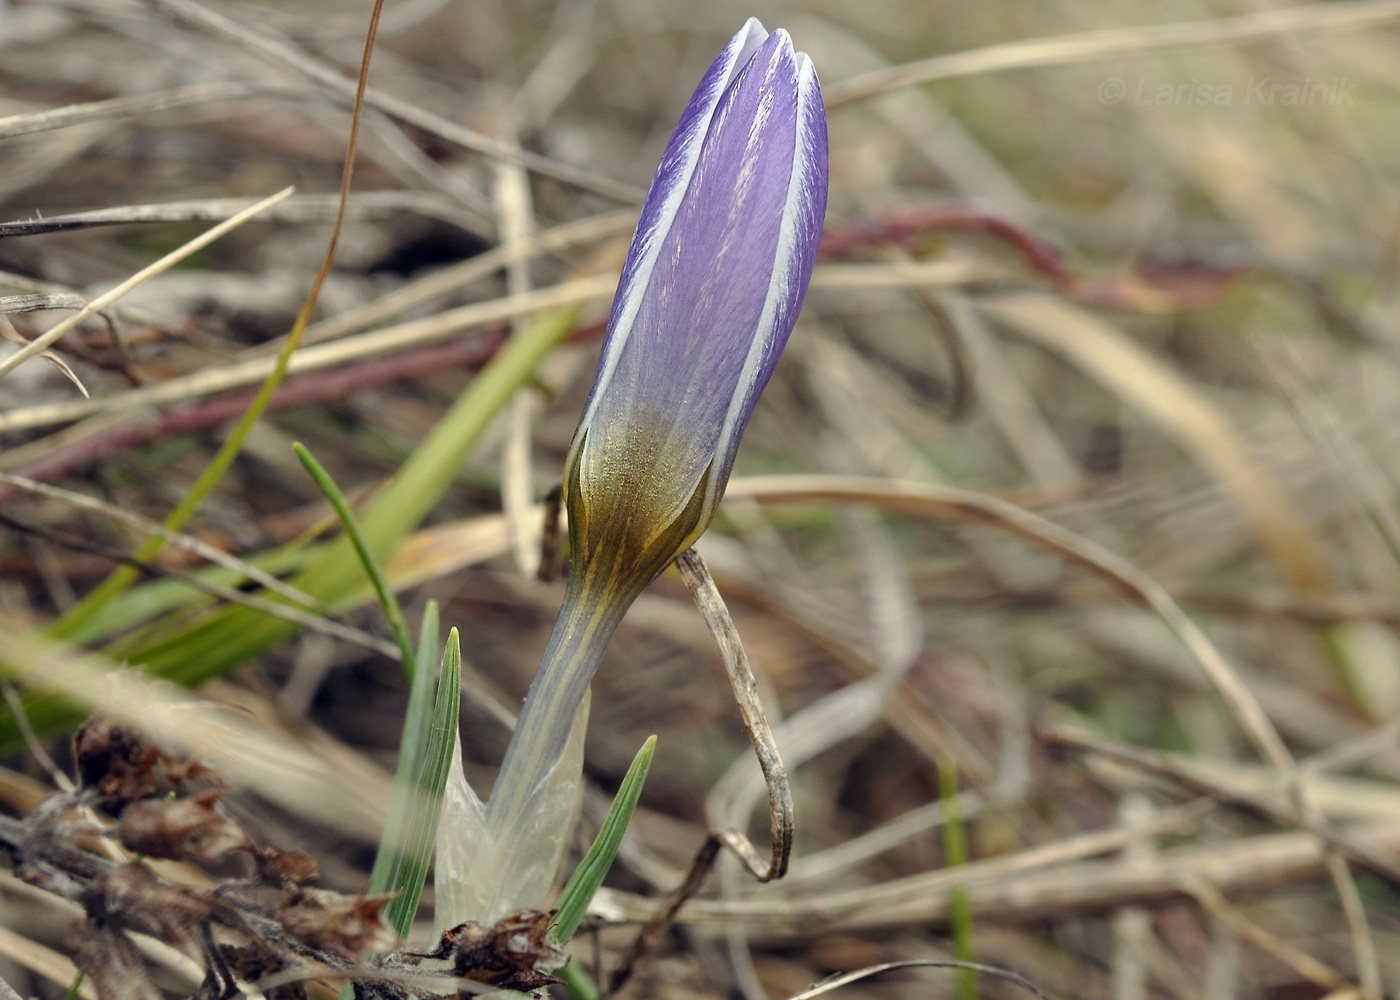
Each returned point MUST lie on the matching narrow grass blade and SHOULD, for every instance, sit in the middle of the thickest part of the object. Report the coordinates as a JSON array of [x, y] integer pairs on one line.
[[425, 755], [428, 645], [955, 856], [588, 876], [388, 600], [219, 643]]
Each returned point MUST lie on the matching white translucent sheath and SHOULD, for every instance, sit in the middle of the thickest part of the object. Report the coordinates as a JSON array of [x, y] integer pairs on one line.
[[482, 876], [503, 856]]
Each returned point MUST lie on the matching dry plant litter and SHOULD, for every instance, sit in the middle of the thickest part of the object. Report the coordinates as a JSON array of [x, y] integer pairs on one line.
[[1075, 481]]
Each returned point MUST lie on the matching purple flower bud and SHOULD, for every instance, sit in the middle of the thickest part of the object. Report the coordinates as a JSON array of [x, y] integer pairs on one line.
[[711, 288], [709, 293]]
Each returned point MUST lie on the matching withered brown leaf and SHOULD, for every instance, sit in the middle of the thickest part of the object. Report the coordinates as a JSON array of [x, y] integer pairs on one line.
[[512, 954], [349, 926], [114, 760], [121, 764], [285, 867], [182, 829]]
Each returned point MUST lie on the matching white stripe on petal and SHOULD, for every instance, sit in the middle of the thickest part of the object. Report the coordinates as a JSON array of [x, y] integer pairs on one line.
[[796, 247], [646, 245]]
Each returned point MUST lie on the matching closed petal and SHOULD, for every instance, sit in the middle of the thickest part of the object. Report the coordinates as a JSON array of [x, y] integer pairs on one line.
[[668, 187], [701, 340], [799, 235]]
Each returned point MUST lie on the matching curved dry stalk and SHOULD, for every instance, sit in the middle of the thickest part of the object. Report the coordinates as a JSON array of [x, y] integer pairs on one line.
[[846, 978], [898, 638], [736, 664]]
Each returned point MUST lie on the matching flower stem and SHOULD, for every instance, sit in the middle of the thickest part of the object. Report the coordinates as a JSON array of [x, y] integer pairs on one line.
[[525, 842]]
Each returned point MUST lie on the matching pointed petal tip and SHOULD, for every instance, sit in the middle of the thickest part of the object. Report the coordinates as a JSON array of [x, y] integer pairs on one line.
[[781, 43], [747, 41], [753, 26]]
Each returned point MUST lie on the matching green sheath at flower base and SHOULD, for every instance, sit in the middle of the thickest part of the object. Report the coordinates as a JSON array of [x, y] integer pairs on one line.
[[720, 262]]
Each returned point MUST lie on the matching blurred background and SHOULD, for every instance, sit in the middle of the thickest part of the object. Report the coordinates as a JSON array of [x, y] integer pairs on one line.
[[1093, 404]]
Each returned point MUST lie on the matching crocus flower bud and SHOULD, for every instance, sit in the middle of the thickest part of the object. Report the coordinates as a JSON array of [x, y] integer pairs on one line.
[[712, 285], [709, 293]]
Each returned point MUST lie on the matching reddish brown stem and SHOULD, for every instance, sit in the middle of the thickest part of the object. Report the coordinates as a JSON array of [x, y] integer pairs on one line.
[[298, 390], [1152, 285], [911, 223]]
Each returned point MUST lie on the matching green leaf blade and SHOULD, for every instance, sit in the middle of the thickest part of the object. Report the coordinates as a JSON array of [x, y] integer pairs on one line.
[[589, 875], [425, 755]]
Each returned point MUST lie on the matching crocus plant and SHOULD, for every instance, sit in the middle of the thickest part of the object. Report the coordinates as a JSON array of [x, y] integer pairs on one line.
[[714, 279]]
